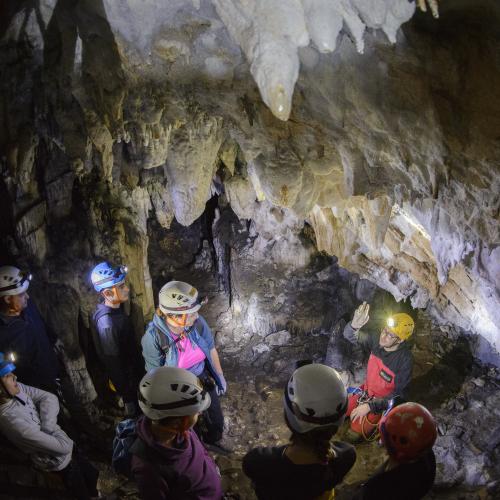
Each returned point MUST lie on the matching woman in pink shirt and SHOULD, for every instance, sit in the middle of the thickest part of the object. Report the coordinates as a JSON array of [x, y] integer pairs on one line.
[[178, 336]]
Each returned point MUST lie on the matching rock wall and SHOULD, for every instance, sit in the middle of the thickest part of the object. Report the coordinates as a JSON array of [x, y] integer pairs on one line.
[[115, 123]]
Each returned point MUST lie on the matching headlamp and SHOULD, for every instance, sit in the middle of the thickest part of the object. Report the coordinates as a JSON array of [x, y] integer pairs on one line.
[[391, 323], [12, 357], [123, 269]]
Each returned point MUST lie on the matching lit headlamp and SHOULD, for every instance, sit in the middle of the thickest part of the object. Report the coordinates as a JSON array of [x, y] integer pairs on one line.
[[12, 357], [391, 323]]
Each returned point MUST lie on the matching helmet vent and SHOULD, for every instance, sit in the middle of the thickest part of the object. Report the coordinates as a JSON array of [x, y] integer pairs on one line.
[[174, 387], [194, 392], [184, 388], [291, 391], [310, 411]]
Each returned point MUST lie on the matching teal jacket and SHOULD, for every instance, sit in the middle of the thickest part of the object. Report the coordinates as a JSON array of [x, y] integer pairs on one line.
[[200, 336]]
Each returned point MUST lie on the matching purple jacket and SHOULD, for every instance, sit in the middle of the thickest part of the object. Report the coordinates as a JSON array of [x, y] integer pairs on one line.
[[194, 474]]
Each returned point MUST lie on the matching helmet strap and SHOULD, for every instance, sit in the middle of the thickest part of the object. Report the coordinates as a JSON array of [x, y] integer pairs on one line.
[[114, 300]]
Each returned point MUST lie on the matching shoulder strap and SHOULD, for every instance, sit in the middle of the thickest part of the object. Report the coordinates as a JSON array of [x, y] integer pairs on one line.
[[162, 340], [100, 314]]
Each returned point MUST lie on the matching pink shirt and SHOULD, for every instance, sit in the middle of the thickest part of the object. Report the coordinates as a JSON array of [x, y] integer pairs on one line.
[[188, 356]]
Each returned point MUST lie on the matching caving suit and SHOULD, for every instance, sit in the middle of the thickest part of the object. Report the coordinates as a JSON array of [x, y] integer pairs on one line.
[[388, 375]]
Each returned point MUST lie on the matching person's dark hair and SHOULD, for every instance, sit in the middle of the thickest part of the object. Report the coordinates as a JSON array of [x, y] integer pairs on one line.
[[317, 440]]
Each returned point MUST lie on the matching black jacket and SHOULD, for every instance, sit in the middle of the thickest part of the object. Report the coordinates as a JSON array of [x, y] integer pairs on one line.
[[275, 477], [26, 336], [410, 481], [117, 350]]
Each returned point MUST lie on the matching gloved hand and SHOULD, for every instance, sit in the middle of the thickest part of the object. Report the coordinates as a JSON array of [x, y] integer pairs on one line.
[[221, 390], [361, 316]]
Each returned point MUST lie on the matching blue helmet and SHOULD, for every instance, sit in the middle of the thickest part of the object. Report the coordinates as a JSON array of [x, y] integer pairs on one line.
[[6, 366], [104, 275]]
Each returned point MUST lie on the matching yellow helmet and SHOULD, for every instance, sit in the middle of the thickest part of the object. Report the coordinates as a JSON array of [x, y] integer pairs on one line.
[[401, 324]]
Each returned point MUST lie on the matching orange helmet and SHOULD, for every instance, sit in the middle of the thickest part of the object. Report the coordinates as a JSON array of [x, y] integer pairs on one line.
[[408, 431]]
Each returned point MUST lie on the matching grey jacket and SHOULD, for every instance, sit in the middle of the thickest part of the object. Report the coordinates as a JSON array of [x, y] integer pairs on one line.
[[29, 421]]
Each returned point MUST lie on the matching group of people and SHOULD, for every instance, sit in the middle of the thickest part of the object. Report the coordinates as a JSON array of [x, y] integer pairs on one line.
[[177, 407]]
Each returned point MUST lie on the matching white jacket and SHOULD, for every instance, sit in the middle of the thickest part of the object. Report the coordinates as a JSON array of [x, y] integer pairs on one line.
[[29, 421]]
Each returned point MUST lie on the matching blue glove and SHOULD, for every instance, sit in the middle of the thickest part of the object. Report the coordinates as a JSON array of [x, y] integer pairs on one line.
[[221, 390]]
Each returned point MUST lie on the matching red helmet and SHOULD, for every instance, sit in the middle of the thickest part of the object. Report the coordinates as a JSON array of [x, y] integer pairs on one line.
[[407, 431]]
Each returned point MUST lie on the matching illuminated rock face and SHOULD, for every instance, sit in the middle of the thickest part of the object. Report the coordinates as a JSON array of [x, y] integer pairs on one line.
[[134, 111]]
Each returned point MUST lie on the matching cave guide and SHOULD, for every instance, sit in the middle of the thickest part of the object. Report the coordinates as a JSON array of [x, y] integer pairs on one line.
[[23, 334], [179, 336], [116, 346], [388, 372]]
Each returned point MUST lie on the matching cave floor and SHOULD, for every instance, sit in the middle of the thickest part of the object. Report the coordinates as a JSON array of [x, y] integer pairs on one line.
[[253, 416]]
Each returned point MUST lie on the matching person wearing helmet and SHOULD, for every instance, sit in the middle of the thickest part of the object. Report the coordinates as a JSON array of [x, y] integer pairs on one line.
[[116, 344], [388, 372], [28, 419], [23, 333], [311, 465], [408, 433], [168, 459], [179, 336]]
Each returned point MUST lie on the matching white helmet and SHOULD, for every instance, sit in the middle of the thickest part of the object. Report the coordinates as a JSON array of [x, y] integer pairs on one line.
[[177, 297], [13, 281], [168, 391], [315, 397]]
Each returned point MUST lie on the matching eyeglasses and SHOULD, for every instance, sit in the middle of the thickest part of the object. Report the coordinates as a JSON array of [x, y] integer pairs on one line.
[[389, 334]]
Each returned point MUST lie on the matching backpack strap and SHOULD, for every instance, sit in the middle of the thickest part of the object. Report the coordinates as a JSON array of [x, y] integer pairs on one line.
[[100, 314], [162, 340]]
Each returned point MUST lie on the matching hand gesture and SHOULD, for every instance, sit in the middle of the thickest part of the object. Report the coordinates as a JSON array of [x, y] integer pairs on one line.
[[361, 316]]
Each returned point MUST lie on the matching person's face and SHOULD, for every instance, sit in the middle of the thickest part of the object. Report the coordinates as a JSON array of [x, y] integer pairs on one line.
[[122, 292], [118, 293], [191, 318], [388, 340], [10, 384], [17, 303]]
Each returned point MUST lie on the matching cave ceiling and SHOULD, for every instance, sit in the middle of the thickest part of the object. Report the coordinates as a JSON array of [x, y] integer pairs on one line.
[[375, 123]]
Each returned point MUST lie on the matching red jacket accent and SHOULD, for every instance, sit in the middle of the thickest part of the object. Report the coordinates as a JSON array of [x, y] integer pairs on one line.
[[380, 380]]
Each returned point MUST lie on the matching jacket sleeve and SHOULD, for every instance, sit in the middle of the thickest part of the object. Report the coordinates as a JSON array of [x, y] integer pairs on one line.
[[205, 332], [401, 384], [47, 405], [30, 439], [354, 336], [153, 357]]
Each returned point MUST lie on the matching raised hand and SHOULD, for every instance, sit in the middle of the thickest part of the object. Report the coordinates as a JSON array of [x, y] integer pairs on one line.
[[361, 316]]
